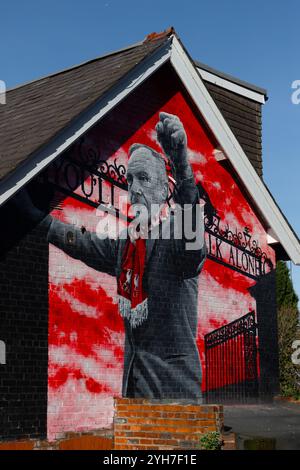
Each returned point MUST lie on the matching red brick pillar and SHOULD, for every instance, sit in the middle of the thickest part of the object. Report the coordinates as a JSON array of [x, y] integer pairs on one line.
[[152, 424]]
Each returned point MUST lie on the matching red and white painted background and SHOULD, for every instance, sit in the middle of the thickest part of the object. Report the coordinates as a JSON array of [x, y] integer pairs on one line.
[[85, 330]]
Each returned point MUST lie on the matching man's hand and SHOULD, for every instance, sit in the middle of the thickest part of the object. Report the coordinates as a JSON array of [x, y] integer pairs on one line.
[[172, 137]]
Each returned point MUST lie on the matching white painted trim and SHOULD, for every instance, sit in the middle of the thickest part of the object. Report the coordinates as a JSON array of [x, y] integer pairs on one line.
[[2, 353], [271, 240], [271, 237], [231, 147], [234, 87], [41, 159], [219, 155]]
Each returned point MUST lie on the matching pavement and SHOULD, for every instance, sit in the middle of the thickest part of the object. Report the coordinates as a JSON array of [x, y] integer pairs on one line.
[[265, 426]]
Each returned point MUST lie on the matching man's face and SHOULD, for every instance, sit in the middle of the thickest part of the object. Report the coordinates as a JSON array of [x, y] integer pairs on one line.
[[147, 183]]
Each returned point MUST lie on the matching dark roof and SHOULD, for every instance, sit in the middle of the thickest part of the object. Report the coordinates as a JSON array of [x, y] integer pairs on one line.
[[232, 79], [36, 112]]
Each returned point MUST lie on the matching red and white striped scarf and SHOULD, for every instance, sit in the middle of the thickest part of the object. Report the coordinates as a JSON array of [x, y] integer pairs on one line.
[[132, 297]]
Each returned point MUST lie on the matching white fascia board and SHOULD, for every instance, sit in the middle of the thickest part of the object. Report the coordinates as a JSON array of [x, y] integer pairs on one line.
[[271, 240], [41, 159], [234, 87], [271, 237], [219, 127]]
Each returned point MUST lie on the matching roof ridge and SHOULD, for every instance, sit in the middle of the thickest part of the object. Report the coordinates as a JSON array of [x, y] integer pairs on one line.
[[154, 36], [150, 38]]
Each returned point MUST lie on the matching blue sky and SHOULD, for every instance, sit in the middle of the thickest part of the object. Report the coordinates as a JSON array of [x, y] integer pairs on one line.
[[257, 41]]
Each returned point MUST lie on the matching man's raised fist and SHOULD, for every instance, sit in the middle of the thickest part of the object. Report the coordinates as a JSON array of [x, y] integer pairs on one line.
[[172, 137]]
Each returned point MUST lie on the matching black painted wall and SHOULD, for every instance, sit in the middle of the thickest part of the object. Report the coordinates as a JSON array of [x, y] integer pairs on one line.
[[23, 327], [265, 294]]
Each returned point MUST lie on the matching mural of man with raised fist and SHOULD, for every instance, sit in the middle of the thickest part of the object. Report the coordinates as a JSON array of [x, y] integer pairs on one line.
[[157, 276]]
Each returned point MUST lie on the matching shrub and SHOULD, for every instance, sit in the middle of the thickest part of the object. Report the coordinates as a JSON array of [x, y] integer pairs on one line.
[[211, 441], [288, 317]]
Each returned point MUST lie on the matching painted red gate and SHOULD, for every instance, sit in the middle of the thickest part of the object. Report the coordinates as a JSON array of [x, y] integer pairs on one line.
[[231, 361]]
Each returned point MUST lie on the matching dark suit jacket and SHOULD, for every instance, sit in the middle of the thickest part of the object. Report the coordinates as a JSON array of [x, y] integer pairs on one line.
[[161, 356]]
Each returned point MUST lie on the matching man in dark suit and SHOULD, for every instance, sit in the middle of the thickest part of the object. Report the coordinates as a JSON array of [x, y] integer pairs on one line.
[[158, 276]]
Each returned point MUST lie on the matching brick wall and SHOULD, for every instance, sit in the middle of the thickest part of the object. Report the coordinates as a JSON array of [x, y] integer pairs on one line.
[[86, 335], [97, 440], [152, 424], [84, 325], [244, 117], [23, 327]]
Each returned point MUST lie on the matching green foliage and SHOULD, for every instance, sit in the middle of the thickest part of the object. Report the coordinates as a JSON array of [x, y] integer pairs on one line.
[[287, 330], [285, 294], [211, 441], [287, 316]]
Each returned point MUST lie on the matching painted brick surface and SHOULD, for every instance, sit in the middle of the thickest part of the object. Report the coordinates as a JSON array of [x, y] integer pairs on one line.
[[23, 328], [50, 301], [86, 335]]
